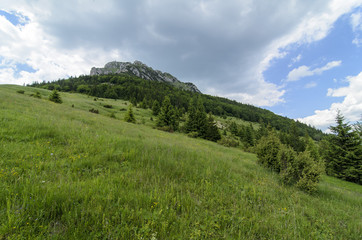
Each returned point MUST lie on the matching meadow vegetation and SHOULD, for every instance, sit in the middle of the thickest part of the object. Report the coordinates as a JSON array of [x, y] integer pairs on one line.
[[66, 173]]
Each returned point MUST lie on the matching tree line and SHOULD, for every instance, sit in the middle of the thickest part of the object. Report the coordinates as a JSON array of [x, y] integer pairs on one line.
[[143, 93]]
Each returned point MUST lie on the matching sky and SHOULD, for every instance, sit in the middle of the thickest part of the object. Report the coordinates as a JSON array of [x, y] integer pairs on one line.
[[298, 58]]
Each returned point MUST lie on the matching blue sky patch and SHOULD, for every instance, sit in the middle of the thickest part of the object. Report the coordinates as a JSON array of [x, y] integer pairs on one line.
[[312, 90], [15, 18]]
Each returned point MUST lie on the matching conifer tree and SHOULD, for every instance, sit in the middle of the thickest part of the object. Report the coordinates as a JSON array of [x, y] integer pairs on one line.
[[197, 119], [249, 135], [344, 154], [167, 115], [129, 117], [156, 108], [191, 123], [294, 140], [55, 97], [212, 131]]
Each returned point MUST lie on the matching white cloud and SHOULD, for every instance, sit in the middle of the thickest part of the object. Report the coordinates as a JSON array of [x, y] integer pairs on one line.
[[222, 45], [304, 71], [356, 21], [295, 60], [350, 107]]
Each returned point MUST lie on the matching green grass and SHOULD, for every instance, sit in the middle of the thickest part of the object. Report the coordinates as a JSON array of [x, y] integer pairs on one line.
[[66, 173]]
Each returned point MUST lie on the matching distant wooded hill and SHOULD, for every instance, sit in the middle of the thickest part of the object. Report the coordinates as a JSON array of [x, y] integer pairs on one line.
[[140, 91]]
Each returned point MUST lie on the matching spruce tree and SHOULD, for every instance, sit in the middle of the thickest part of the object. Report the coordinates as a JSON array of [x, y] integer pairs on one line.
[[55, 97], [191, 123], [249, 135], [212, 131], [129, 117], [344, 153], [156, 108], [167, 115]]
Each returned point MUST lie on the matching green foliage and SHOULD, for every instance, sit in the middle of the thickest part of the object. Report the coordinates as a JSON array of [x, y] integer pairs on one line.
[[212, 131], [92, 110], [343, 155], [233, 128], [156, 108], [83, 89], [112, 115], [196, 119], [37, 94], [144, 103], [129, 117], [287, 158], [107, 106], [228, 142], [167, 116], [267, 151], [307, 172], [55, 97], [20, 91], [247, 135], [301, 169]]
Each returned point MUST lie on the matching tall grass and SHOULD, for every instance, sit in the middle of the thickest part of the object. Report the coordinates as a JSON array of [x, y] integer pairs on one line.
[[66, 173]]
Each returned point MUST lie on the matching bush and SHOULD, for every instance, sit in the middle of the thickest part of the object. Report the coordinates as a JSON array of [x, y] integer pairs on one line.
[[228, 142], [267, 151], [308, 172], [166, 129], [193, 134], [286, 158], [113, 115], [107, 106], [20, 91], [37, 94], [55, 97], [94, 110], [303, 169]]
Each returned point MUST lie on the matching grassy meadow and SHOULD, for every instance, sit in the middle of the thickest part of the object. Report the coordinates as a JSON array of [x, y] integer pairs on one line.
[[67, 173]]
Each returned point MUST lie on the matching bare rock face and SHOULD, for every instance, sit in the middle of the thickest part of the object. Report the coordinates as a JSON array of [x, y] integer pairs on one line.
[[143, 71]]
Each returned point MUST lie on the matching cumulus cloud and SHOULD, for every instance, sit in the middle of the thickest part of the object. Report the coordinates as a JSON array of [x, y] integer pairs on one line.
[[221, 45], [350, 107], [304, 71]]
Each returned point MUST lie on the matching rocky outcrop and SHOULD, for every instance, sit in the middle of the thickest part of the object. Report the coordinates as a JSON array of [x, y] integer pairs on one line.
[[143, 71]]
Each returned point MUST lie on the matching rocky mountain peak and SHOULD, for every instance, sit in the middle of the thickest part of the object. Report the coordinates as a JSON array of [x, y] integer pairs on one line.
[[141, 70]]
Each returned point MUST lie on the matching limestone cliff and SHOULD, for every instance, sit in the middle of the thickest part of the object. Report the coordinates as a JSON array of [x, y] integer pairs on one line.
[[143, 71]]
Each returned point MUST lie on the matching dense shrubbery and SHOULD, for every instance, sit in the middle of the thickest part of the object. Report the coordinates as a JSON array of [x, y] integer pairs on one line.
[[302, 169]]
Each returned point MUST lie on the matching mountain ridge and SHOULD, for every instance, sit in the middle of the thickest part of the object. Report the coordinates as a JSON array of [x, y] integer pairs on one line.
[[141, 70]]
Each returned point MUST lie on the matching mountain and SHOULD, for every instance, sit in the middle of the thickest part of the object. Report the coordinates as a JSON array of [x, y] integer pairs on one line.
[[143, 71]]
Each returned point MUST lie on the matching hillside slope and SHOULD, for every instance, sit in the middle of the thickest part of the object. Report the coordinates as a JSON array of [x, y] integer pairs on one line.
[[145, 92], [66, 173]]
